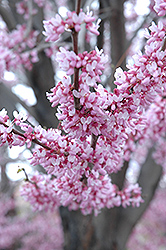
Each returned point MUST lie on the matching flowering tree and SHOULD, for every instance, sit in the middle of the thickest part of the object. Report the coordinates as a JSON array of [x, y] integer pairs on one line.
[[86, 157]]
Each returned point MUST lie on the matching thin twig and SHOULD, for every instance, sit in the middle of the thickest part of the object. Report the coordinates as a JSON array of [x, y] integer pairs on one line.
[[75, 48], [78, 6], [29, 24], [27, 178], [16, 132], [40, 47]]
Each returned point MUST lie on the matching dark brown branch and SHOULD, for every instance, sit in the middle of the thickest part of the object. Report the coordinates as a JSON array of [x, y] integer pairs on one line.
[[27, 178], [78, 6], [16, 132], [94, 141], [76, 71], [75, 48]]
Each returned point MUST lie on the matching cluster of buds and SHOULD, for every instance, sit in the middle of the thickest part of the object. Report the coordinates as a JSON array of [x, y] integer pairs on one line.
[[56, 25]]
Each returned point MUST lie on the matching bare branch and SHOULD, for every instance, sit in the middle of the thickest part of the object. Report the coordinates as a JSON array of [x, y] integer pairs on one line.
[[148, 180], [27, 178], [7, 17]]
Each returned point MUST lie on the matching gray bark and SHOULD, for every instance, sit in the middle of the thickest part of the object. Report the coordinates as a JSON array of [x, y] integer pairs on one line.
[[118, 34], [113, 12]]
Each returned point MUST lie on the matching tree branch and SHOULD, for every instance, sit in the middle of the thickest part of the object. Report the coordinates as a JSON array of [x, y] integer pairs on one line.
[[149, 178], [78, 6], [7, 17], [30, 19], [16, 132], [75, 48]]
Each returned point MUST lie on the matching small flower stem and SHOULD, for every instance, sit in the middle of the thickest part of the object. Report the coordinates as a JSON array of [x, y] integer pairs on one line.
[[29, 23], [78, 6], [27, 179], [76, 71], [75, 48]]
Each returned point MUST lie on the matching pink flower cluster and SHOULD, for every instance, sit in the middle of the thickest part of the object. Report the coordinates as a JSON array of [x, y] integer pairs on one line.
[[91, 64], [40, 193], [75, 185], [23, 8], [89, 192], [160, 7], [102, 112], [153, 133], [56, 25], [148, 77], [137, 88], [5, 131], [131, 194], [27, 232], [13, 48]]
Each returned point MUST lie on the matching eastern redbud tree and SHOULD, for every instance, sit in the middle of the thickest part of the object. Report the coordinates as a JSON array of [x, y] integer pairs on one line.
[[99, 131]]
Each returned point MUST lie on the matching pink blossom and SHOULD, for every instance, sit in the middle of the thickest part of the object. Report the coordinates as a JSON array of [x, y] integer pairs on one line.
[[38, 230], [74, 21], [160, 7], [3, 115], [38, 193], [89, 16], [56, 26], [93, 28], [53, 28], [22, 9]]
